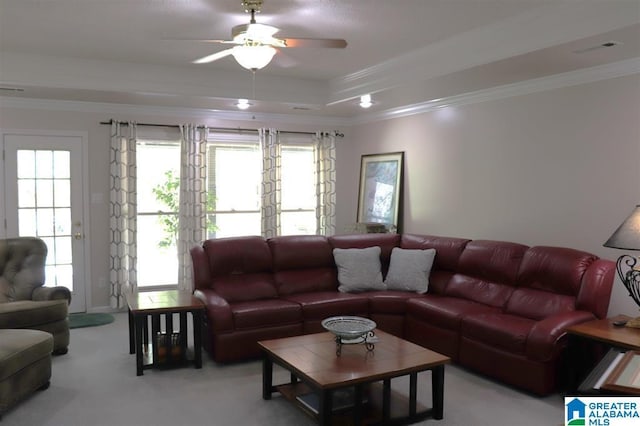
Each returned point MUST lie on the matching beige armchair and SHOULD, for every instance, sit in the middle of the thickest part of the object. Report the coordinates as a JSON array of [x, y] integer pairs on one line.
[[24, 301]]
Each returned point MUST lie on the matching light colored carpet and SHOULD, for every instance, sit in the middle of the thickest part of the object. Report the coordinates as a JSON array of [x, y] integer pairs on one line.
[[95, 384]]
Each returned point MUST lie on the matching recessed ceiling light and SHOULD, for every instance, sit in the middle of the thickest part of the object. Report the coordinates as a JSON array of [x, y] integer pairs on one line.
[[243, 104], [365, 101]]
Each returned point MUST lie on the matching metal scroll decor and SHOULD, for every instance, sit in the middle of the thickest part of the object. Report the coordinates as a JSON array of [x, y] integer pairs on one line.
[[368, 340], [631, 276]]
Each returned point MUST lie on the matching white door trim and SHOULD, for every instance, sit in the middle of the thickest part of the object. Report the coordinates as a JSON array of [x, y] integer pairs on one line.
[[84, 137]]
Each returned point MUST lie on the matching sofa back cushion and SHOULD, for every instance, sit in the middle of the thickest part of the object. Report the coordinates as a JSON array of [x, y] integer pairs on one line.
[[22, 267], [302, 264], [487, 272], [538, 304], [240, 268], [549, 281], [448, 251], [386, 242], [554, 269]]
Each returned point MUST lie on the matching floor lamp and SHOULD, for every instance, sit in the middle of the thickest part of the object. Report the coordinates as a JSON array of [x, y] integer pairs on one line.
[[627, 237]]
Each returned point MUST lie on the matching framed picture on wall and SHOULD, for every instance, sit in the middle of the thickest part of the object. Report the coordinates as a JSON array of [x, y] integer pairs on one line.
[[380, 191]]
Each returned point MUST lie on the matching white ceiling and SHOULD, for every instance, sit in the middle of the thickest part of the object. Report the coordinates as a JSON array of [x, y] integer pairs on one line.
[[402, 51]]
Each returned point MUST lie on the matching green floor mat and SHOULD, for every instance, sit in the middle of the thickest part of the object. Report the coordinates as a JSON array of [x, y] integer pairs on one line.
[[89, 320]]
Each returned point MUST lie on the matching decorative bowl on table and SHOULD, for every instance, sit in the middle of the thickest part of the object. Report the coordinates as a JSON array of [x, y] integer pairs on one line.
[[350, 329]]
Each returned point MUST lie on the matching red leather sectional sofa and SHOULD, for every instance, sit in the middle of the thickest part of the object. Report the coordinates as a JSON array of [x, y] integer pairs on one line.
[[498, 308]]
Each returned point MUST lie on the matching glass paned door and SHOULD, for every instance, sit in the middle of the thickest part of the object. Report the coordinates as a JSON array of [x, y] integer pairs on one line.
[[43, 178]]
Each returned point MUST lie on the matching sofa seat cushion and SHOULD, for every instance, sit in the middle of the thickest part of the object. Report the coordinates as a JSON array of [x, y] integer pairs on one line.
[[326, 304], [30, 314], [445, 311], [265, 313], [507, 332], [389, 302]]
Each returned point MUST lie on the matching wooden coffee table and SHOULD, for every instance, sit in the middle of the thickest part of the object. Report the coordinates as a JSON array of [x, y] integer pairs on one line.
[[318, 374], [167, 349]]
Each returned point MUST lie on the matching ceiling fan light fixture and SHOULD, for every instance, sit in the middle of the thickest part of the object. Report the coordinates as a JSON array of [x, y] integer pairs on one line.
[[253, 57]]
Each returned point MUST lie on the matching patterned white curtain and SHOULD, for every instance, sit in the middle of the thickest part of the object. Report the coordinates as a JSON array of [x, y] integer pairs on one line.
[[192, 215], [271, 181], [122, 211], [324, 150]]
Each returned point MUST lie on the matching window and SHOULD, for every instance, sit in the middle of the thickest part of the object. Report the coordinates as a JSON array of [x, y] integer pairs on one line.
[[158, 167], [234, 179], [44, 208], [234, 183], [298, 214], [234, 175]]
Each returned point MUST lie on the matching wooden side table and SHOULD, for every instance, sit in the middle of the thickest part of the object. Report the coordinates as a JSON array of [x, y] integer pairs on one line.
[[167, 349], [602, 331]]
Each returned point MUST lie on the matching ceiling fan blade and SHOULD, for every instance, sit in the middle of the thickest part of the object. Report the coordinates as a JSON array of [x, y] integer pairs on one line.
[[202, 40], [315, 42], [214, 57]]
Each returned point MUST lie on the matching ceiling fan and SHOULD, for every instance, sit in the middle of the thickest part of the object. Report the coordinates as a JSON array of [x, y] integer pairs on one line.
[[255, 43]]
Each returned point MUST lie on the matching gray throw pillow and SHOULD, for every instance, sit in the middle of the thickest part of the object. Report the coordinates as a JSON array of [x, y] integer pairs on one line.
[[358, 269], [409, 270]]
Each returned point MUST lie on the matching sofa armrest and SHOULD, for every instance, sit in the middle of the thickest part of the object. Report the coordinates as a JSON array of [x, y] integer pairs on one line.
[[200, 264], [51, 293], [595, 291], [218, 311], [544, 337]]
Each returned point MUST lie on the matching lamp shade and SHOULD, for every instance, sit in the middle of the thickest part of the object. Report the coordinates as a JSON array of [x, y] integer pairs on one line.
[[627, 236], [253, 57]]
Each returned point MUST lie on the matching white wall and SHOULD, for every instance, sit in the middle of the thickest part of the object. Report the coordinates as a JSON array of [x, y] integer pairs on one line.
[[559, 167], [551, 168]]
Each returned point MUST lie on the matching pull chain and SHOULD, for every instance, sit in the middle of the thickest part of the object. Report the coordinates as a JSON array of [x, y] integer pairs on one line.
[[253, 85], [253, 89]]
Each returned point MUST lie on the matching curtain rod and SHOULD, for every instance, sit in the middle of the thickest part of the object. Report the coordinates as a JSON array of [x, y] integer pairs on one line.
[[235, 129]]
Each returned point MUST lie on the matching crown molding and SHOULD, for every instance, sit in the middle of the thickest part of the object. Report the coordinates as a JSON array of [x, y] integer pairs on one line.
[[573, 78], [163, 111], [557, 81], [541, 27]]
